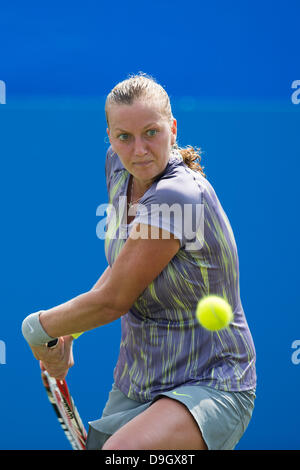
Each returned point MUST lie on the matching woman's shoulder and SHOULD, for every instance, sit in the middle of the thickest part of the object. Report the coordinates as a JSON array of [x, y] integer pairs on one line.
[[180, 184], [112, 161]]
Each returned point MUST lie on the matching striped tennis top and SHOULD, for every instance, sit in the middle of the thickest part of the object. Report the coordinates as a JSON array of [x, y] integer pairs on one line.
[[162, 344]]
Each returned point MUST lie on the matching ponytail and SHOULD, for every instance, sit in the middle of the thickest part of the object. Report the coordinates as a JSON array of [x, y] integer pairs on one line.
[[192, 158]]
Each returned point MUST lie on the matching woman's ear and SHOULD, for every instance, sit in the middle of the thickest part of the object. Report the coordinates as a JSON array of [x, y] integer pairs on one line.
[[107, 139], [173, 132]]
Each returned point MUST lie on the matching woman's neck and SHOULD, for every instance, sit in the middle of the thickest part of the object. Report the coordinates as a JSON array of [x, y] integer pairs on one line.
[[138, 188]]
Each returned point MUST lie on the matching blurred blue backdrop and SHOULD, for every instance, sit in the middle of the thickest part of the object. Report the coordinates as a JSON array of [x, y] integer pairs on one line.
[[229, 68]]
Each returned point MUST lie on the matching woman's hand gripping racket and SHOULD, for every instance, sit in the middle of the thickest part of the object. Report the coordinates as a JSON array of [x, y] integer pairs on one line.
[[63, 404]]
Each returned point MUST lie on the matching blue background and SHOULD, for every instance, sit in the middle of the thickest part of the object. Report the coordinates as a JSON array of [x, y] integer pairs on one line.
[[228, 67]]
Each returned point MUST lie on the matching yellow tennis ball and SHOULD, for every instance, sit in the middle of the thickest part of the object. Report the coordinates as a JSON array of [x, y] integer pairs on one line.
[[214, 313]]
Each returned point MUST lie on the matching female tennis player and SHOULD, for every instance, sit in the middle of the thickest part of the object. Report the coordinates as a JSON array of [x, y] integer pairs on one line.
[[176, 385]]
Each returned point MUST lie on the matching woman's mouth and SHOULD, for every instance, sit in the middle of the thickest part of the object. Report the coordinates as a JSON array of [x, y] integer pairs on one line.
[[143, 163]]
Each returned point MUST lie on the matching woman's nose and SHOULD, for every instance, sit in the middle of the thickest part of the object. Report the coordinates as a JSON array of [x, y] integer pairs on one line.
[[140, 147]]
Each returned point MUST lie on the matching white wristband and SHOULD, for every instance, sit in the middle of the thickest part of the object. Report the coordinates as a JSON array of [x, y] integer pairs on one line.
[[33, 331]]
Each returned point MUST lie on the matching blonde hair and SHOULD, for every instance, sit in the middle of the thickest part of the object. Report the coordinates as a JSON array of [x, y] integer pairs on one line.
[[142, 85]]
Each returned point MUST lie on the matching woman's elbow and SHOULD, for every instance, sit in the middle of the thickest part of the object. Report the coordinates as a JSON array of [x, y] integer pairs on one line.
[[111, 305]]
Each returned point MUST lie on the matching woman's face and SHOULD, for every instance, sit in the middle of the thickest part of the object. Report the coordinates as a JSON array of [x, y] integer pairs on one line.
[[142, 137]]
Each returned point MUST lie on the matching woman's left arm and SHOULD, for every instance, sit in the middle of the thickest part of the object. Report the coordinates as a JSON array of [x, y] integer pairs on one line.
[[140, 261]]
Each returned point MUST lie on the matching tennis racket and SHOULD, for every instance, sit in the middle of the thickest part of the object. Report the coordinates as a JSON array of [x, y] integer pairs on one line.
[[66, 412]]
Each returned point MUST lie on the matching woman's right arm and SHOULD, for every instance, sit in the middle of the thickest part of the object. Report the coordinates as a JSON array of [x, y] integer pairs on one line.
[[140, 261], [58, 361], [103, 278]]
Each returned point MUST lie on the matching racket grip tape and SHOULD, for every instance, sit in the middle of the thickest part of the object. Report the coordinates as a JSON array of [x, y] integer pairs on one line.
[[53, 342]]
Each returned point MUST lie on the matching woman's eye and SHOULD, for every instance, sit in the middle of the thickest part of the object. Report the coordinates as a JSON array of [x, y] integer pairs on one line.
[[123, 137], [151, 132]]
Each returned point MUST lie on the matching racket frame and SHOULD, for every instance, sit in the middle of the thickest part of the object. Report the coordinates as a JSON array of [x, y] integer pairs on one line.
[[67, 414]]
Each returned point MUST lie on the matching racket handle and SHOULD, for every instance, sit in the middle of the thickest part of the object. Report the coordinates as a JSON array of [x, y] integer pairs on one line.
[[53, 342]]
